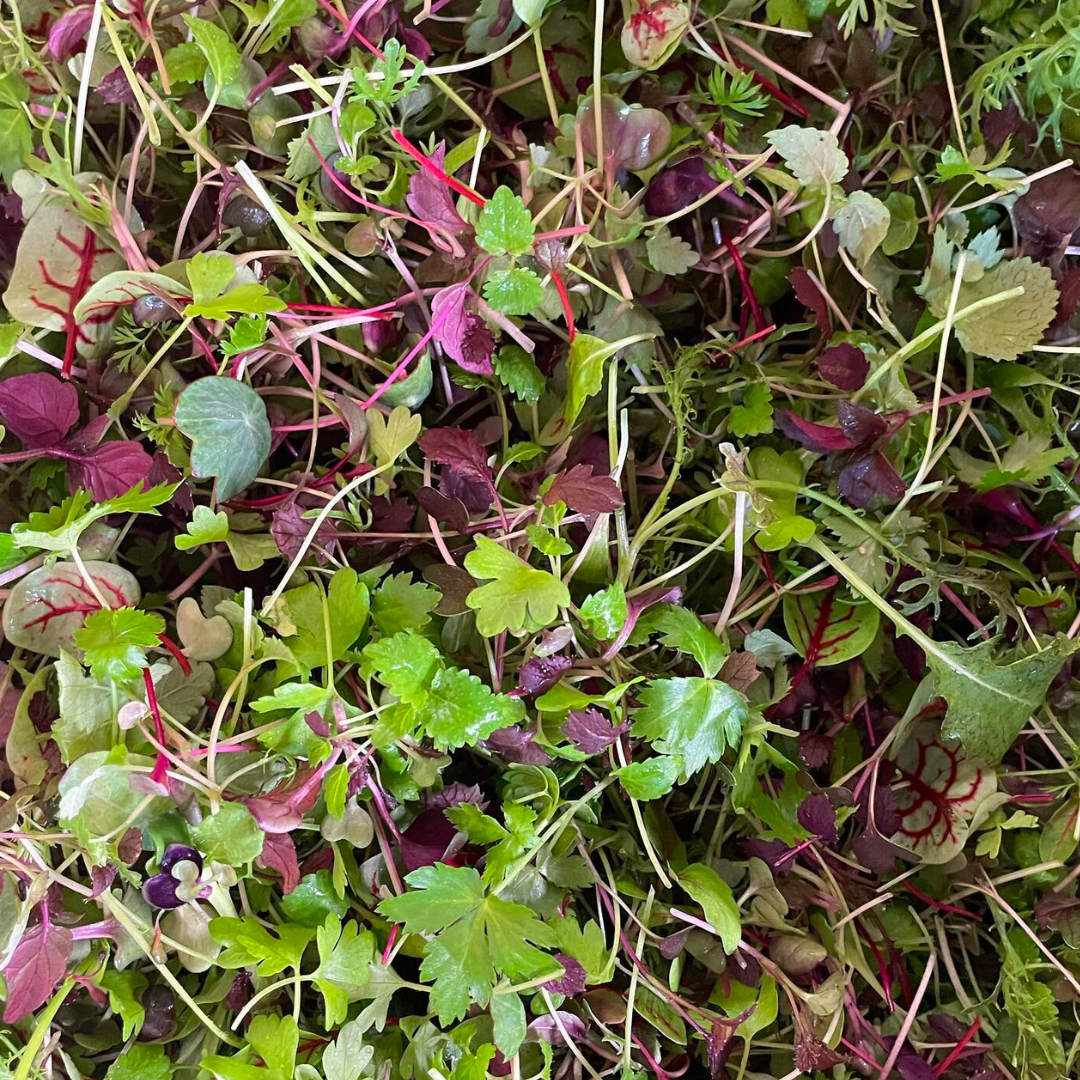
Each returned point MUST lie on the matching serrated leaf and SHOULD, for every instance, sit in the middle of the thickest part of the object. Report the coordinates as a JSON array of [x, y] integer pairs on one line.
[[400, 603], [222, 55], [518, 597], [669, 254], [516, 291], [460, 710], [114, 642], [693, 717], [205, 527], [517, 371], [862, 223], [652, 778], [389, 438], [813, 156], [404, 664], [755, 415], [505, 226]]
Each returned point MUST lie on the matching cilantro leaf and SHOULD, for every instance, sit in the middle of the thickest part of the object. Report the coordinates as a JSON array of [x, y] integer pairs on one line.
[[519, 598], [755, 415], [114, 641], [205, 527]]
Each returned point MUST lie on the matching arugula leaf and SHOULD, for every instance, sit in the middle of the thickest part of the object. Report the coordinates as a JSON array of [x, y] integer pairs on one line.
[[519, 598], [222, 55]]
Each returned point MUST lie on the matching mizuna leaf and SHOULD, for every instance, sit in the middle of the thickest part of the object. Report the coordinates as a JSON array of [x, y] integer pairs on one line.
[[227, 422], [989, 703], [58, 260], [826, 630], [940, 794]]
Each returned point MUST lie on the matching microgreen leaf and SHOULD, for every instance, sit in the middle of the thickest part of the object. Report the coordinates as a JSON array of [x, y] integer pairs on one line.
[[505, 226], [114, 642], [518, 597]]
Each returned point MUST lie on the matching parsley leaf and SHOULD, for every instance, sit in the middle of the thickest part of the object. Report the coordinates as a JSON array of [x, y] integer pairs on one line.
[[114, 641]]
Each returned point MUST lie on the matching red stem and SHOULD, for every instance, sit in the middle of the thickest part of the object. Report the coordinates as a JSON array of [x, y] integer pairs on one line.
[[744, 279], [422, 158], [565, 299], [939, 905], [955, 1052], [161, 765], [178, 656]]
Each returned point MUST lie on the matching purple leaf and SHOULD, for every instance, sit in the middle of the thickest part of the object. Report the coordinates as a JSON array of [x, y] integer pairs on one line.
[[516, 744], [870, 483], [111, 469], [1049, 213], [457, 331], [460, 450], [279, 854], [572, 982], [115, 89], [591, 731], [454, 795], [844, 365], [283, 809], [427, 840], [820, 438], [35, 969], [584, 491], [39, 408], [444, 509], [545, 1029], [810, 296], [540, 673], [677, 186], [289, 531], [430, 199], [817, 815], [861, 425], [67, 36]]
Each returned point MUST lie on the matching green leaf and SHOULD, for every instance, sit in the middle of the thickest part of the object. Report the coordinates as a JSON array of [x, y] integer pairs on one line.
[[517, 371], [85, 723], [755, 415], [696, 718], [508, 1023], [15, 142], [1058, 840], [249, 551], [713, 894], [828, 631], [400, 603], [275, 1039], [346, 614], [249, 943], [141, 1062], [227, 422], [505, 226], [404, 664], [460, 710], [585, 367], [478, 937], [185, 63], [114, 641], [231, 836], [604, 613], [989, 703], [529, 12], [124, 989], [250, 298], [1027, 460], [670, 254], [209, 274], [205, 527], [546, 542], [519, 598], [903, 223], [515, 291], [222, 55], [862, 223], [1004, 330], [650, 779], [679, 628], [313, 900], [388, 438], [813, 156]]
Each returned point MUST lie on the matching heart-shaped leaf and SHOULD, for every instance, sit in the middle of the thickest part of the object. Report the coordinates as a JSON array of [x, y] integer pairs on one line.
[[227, 422], [202, 638]]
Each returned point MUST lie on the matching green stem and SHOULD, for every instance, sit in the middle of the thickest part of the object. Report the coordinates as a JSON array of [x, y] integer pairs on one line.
[[41, 1029]]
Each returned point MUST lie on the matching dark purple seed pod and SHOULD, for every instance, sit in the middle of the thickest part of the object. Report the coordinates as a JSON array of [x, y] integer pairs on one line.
[[160, 1006], [175, 853], [247, 215], [150, 309]]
